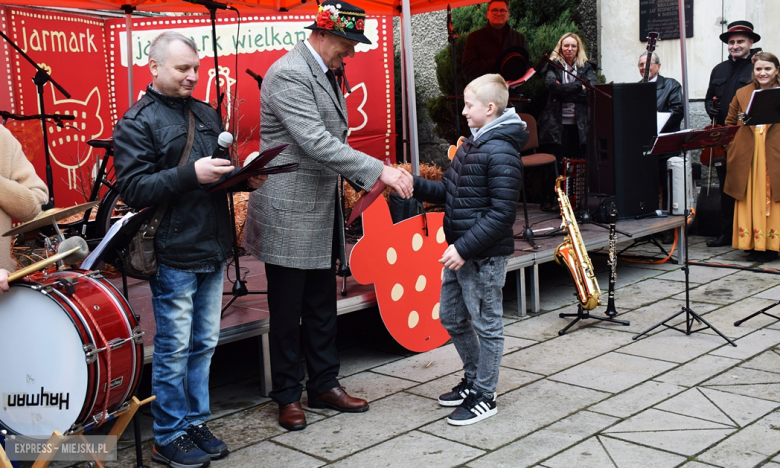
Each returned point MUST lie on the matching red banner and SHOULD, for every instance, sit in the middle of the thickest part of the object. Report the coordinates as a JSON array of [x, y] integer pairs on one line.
[[256, 45], [88, 57], [71, 48]]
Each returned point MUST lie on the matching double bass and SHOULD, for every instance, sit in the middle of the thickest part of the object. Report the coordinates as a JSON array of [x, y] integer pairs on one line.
[[652, 38], [708, 154]]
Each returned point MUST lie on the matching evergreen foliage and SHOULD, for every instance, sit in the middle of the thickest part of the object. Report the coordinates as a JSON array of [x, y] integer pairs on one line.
[[542, 23]]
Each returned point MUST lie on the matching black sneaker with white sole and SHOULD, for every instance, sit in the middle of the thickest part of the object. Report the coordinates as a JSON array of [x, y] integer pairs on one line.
[[476, 407], [457, 395], [181, 453], [207, 442]]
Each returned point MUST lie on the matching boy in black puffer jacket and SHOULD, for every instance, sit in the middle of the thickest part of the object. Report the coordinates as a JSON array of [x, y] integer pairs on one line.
[[480, 191]]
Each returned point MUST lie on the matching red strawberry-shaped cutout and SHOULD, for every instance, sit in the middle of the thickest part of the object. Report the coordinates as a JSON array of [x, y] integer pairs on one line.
[[403, 263]]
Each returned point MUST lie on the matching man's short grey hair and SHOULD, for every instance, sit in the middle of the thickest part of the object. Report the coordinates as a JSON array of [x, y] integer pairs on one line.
[[158, 50], [656, 59]]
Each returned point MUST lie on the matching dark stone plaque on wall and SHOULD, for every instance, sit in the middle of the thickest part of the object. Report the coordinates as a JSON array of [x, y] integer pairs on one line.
[[663, 17]]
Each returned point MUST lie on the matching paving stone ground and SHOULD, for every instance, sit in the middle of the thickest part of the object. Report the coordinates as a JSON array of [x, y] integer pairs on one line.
[[594, 397]]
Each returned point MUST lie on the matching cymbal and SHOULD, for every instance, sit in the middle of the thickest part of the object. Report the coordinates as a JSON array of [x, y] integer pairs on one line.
[[48, 217]]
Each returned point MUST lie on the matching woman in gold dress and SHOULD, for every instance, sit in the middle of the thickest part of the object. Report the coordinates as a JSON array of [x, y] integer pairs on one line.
[[753, 179]]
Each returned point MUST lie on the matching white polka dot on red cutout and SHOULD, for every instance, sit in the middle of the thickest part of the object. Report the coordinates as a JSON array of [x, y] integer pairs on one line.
[[417, 242], [397, 292], [392, 256], [414, 319], [420, 285], [440, 237], [435, 312]]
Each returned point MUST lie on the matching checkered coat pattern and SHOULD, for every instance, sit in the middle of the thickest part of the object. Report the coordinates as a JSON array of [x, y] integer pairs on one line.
[[291, 218]]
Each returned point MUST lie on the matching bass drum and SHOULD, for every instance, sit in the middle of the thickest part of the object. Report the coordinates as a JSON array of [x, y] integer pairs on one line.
[[71, 348]]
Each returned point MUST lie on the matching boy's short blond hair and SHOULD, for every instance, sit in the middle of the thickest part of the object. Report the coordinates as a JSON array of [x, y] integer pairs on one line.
[[490, 88]]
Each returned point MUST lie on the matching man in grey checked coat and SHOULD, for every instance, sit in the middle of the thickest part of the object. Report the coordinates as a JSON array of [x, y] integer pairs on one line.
[[294, 223]]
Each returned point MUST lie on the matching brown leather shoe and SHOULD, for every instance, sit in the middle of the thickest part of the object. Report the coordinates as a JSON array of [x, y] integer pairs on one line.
[[291, 417], [336, 398]]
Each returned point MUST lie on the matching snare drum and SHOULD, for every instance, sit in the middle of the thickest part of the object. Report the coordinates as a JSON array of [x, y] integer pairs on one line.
[[55, 340]]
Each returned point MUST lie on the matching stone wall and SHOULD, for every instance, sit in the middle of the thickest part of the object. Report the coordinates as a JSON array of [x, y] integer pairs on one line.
[[429, 36]]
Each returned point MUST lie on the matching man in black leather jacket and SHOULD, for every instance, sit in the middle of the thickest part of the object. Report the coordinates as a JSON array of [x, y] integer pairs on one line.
[[668, 93], [726, 78], [192, 243]]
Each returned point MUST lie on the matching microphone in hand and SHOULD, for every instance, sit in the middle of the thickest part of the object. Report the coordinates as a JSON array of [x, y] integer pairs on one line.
[[223, 143]]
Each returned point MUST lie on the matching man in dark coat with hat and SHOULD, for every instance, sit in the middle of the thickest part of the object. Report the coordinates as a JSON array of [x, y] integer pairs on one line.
[[484, 47], [726, 78], [295, 226]]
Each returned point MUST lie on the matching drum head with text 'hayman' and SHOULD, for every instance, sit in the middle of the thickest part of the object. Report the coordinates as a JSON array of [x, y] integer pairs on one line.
[[43, 375]]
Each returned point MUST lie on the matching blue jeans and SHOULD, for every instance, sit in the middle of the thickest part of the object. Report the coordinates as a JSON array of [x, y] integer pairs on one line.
[[187, 313], [471, 310]]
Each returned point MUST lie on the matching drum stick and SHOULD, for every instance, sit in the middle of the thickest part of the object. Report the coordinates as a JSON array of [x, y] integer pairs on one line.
[[19, 274]]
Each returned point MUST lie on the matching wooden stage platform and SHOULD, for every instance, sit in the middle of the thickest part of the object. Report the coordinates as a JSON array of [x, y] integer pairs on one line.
[[247, 316]]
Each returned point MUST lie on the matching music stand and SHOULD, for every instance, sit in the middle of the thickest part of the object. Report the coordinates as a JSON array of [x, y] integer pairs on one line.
[[764, 107], [683, 141], [113, 247]]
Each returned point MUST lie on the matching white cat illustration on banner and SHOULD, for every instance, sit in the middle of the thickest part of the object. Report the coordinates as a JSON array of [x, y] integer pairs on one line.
[[68, 146], [224, 76]]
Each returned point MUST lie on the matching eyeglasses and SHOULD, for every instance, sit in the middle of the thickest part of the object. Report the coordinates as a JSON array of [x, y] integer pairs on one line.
[[498, 12]]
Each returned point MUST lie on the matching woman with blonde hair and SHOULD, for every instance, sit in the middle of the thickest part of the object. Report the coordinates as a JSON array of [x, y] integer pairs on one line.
[[753, 179], [564, 120]]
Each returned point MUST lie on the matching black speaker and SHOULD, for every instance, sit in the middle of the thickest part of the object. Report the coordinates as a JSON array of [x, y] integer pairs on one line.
[[625, 127]]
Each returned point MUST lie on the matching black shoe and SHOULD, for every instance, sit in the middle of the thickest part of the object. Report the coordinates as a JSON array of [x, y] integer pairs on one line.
[[753, 256], [767, 256], [476, 407], [181, 453], [207, 442], [457, 395], [721, 241]]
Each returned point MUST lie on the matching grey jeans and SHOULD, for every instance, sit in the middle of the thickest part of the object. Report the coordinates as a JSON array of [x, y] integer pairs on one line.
[[471, 310]]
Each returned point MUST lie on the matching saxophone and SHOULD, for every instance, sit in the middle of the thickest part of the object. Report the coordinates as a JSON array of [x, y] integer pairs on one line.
[[573, 255]]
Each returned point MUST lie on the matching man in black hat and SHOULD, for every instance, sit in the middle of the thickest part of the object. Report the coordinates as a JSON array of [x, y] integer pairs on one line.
[[484, 47], [726, 78], [295, 225]]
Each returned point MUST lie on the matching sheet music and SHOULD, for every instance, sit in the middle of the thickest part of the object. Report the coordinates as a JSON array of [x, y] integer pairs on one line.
[[95, 254], [655, 142], [752, 99], [661, 119]]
